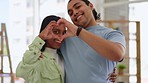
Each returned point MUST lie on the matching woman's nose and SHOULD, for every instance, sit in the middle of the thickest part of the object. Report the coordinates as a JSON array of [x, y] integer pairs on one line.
[[60, 37]]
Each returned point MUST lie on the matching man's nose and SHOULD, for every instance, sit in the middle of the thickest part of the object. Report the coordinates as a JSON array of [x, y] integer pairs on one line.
[[75, 13]]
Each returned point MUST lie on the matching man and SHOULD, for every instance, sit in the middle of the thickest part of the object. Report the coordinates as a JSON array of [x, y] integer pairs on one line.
[[41, 63], [91, 51]]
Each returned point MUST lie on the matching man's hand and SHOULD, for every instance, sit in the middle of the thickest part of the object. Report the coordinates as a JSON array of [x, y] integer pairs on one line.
[[71, 28]]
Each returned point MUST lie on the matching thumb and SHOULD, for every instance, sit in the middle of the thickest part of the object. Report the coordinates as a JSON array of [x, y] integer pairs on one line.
[[64, 36], [114, 70], [60, 21]]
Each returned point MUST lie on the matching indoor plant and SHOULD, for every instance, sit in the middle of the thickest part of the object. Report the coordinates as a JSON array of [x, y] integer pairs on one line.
[[121, 68]]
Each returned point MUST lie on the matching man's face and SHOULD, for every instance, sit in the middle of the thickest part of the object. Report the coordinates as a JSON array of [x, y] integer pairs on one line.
[[57, 39], [80, 13]]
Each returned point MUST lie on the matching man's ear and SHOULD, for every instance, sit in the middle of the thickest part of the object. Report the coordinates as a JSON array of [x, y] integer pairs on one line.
[[91, 6]]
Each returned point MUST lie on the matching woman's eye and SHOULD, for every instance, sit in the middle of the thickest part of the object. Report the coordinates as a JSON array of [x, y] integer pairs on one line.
[[56, 31]]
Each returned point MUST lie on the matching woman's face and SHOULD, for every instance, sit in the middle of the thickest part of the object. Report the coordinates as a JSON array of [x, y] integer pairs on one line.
[[57, 39]]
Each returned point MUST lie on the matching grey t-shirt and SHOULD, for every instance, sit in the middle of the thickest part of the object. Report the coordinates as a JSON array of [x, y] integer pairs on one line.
[[82, 64]]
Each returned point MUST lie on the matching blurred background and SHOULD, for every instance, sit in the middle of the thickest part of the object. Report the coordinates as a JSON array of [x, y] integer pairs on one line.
[[23, 20]]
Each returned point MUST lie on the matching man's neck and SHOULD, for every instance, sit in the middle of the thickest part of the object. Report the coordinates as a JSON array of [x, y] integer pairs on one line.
[[92, 23]]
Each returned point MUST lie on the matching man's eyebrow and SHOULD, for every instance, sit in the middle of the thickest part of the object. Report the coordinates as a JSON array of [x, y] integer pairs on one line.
[[74, 5]]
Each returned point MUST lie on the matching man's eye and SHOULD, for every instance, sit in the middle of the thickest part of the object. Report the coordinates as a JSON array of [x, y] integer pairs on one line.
[[77, 7], [70, 13]]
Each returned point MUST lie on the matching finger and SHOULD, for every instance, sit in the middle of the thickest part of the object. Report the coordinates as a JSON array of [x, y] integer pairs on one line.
[[109, 75], [51, 25], [52, 22], [112, 76], [112, 79], [65, 22], [50, 29], [61, 21], [114, 70], [65, 35]]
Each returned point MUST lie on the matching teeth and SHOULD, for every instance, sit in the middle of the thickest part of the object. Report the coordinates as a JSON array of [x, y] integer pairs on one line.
[[79, 17], [57, 41]]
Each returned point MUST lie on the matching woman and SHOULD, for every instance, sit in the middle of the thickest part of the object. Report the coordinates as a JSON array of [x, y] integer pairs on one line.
[[41, 63]]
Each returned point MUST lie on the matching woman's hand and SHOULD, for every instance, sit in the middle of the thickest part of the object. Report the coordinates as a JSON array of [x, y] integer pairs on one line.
[[47, 33], [112, 76]]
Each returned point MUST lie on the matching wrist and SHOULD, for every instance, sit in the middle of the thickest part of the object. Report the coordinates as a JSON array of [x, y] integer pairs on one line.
[[41, 37], [78, 31]]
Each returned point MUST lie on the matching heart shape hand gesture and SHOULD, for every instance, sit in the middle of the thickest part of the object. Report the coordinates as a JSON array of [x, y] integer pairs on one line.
[[50, 31]]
